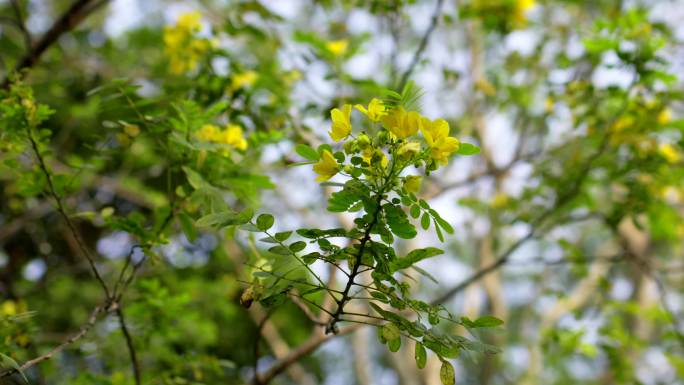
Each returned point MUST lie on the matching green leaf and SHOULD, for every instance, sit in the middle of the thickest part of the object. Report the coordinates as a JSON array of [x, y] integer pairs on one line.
[[353, 192], [413, 257], [446, 373], [194, 178], [265, 222], [394, 345], [317, 233], [187, 226], [398, 222], [274, 300], [425, 221], [487, 321], [282, 236], [441, 222], [438, 230], [390, 331], [420, 355], [468, 149], [415, 211], [307, 152], [9, 361], [298, 246], [225, 218], [280, 250], [269, 240]]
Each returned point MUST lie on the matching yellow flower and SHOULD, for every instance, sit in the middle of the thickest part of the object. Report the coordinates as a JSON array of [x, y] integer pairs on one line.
[[208, 133], [341, 123], [383, 160], [437, 137], [232, 136], [190, 21], [623, 122], [375, 111], [400, 123], [9, 308], [244, 79], [670, 153], [181, 46], [412, 183], [408, 149], [520, 12], [326, 167], [337, 47], [664, 117]]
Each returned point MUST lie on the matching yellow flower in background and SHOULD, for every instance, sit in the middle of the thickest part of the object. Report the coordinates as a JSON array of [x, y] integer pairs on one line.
[[408, 149], [190, 21], [437, 137], [412, 183], [233, 136], [8, 308], [326, 167], [341, 123], [243, 80], [521, 9], [182, 47], [664, 117], [400, 123], [623, 122], [670, 153], [208, 133], [375, 111], [337, 47]]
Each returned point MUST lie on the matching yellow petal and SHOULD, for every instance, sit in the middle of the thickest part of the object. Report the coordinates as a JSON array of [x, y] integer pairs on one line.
[[326, 167]]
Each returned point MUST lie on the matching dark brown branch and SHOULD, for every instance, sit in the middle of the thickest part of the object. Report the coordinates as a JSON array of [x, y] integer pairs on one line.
[[422, 45], [21, 26], [78, 11], [82, 332], [313, 343], [62, 211], [135, 365]]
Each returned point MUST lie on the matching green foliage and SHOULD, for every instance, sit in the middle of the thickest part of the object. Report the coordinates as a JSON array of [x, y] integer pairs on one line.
[[132, 164]]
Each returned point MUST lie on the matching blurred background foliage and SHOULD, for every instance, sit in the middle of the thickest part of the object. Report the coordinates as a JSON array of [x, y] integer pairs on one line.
[[149, 114]]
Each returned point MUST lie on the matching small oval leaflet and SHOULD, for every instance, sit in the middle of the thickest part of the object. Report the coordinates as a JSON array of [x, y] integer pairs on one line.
[[446, 373]]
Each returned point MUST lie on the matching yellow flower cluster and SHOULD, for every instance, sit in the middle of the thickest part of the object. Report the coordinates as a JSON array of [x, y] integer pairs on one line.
[[181, 44], [243, 80], [232, 135], [520, 12], [337, 47], [400, 129]]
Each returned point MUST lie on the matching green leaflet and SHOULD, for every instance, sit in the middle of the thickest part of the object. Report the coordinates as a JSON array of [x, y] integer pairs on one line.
[[398, 222], [225, 218], [307, 152], [487, 321], [265, 222], [420, 355], [413, 257], [354, 191], [446, 373]]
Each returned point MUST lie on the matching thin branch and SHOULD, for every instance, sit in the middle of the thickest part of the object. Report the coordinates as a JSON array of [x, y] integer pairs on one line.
[[135, 365], [62, 211], [423, 44], [76, 13], [82, 332], [297, 299], [313, 343]]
